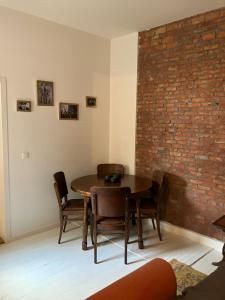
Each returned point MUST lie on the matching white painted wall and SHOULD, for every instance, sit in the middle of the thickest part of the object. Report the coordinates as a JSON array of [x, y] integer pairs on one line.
[[123, 90], [4, 163], [78, 64], [2, 215]]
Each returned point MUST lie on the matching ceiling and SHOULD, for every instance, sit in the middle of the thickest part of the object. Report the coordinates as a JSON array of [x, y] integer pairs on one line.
[[112, 18]]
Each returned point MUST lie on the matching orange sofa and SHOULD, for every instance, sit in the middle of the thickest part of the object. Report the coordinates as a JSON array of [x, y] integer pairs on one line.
[[153, 281]]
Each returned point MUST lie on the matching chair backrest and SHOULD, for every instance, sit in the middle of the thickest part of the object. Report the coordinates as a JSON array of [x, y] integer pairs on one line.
[[108, 169], [109, 202], [157, 184], [59, 198], [61, 184]]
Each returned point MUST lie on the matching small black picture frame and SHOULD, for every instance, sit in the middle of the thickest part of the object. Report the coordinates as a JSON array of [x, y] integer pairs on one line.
[[91, 101]]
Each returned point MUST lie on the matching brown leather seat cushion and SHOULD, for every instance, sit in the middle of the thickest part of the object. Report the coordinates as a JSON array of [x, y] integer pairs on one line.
[[74, 204], [211, 288]]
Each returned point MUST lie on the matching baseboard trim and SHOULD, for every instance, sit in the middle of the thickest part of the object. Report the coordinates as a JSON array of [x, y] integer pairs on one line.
[[33, 232], [165, 226], [194, 236]]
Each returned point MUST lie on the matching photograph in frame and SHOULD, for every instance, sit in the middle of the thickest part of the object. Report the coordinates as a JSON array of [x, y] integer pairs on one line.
[[68, 111], [45, 93], [23, 105], [91, 101]]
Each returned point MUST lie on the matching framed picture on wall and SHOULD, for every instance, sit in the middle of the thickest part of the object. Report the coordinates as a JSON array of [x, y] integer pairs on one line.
[[45, 93], [23, 105], [68, 111], [91, 101]]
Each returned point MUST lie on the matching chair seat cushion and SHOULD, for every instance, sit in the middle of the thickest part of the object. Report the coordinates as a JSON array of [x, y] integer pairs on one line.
[[74, 204], [110, 221]]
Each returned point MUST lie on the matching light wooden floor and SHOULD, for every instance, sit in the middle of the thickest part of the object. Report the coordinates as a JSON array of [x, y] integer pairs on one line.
[[37, 268]]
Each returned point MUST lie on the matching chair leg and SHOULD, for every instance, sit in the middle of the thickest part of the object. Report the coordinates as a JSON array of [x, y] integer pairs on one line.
[[153, 223], [91, 228], [158, 226], [95, 242], [125, 248], [139, 229], [60, 228], [133, 219], [85, 224], [126, 239], [65, 223]]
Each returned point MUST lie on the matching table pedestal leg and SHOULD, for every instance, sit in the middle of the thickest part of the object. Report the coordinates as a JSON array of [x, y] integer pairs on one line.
[[85, 224], [219, 263]]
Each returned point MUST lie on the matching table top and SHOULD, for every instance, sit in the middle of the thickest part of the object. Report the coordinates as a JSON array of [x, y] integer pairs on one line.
[[83, 184], [220, 222]]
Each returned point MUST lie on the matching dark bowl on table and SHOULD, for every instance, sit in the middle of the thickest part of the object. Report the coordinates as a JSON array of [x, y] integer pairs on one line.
[[113, 178]]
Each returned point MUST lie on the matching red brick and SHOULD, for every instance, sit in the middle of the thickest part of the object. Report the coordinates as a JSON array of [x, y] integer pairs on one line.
[[198, 19], [160, 30], [208, 36], [221, 34], [181, 117], [213, 15]]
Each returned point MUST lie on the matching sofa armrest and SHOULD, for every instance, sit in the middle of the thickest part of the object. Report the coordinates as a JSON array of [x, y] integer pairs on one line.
[[154, 281]]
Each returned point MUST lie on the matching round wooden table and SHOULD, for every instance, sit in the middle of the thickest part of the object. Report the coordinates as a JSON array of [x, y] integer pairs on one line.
[[83, 185]]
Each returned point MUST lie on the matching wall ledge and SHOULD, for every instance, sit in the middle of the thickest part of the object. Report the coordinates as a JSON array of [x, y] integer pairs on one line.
[[194, 236]]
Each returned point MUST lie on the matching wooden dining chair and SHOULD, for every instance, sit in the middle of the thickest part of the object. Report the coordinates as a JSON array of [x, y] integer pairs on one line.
[[67, 207], [148, 205], [110, 208], [108, 169]]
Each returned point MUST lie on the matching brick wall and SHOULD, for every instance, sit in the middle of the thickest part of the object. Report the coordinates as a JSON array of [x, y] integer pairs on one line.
[[181, 117]]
